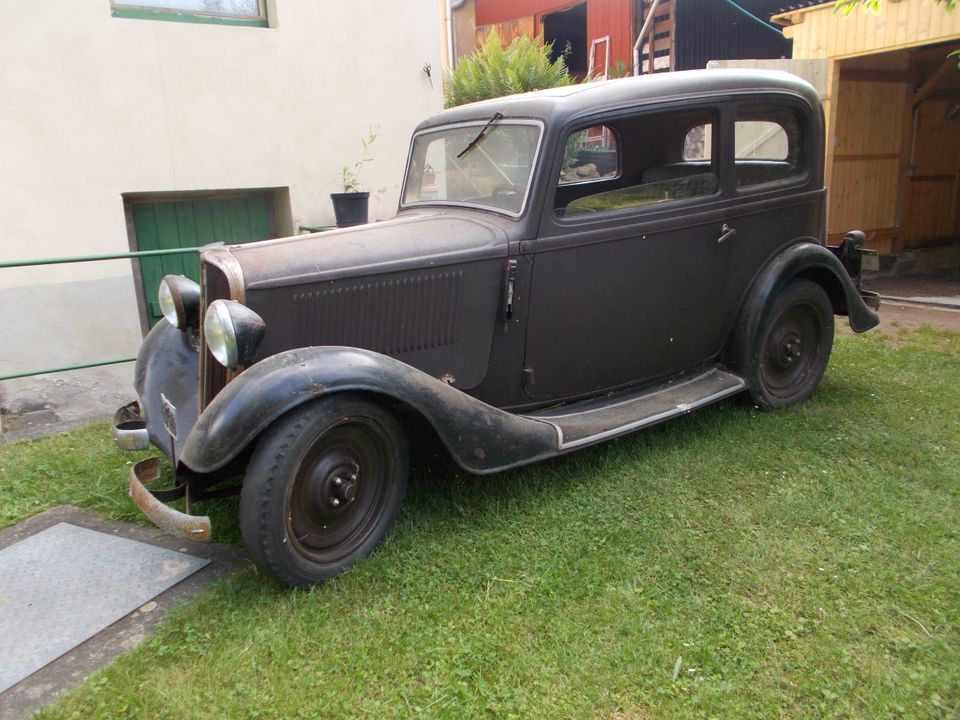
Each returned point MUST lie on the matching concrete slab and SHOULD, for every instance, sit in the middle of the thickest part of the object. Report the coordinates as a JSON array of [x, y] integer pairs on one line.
[[939, 301], [128, 631]]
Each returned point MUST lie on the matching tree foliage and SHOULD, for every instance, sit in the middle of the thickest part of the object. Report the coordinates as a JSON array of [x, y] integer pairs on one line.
[[494, 70], [847, 6]]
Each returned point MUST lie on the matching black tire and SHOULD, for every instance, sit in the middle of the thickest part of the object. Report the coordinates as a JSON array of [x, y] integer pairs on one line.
[[791, 348], [322, 488]]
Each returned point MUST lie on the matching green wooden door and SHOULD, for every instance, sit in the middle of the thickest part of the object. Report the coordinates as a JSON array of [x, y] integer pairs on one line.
[[193, 223]]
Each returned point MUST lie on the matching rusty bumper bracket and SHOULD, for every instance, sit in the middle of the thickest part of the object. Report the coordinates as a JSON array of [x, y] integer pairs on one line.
[[191, 527], [129, 428]]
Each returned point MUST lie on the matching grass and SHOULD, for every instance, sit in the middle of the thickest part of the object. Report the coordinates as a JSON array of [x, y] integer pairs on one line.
[[730, 564]]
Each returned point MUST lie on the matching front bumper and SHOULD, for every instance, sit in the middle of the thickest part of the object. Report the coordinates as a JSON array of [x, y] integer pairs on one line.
[[130, 433], [192, 527]]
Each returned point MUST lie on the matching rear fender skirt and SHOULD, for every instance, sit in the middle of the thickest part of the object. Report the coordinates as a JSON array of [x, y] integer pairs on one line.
[[803, 260], [481, 438]]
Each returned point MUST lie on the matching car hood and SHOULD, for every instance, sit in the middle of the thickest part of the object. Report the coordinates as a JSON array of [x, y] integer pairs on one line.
[[405, 242]]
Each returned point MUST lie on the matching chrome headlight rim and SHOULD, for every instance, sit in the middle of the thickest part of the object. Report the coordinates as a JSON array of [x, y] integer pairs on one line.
[[179, 299], [232, 333]]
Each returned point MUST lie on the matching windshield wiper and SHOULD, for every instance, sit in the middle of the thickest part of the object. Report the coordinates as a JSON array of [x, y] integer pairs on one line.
[[479, 137]]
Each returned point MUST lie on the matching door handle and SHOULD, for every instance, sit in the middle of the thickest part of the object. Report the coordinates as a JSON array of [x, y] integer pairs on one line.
[[728, 232]]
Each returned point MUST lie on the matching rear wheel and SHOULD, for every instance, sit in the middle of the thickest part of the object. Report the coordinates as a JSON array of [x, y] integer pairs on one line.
[[792, 346], [323, 488]]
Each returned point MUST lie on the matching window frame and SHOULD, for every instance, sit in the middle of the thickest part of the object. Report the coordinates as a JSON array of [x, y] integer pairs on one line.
[[712, 106], [805, 154], [618, 149], [532, 178], [132, 10]]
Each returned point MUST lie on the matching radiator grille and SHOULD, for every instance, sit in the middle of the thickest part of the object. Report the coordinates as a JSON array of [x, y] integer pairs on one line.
[[392, 317], [213, 375]]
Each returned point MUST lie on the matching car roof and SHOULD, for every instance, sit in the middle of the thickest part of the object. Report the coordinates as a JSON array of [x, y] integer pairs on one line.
[[565, 103]]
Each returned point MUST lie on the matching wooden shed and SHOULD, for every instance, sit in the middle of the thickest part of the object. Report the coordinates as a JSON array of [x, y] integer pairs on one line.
[[892, 104], [681, 34]]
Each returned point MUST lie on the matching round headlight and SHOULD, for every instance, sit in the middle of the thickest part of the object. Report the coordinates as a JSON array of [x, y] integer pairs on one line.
[[232, 332], [180, 301]]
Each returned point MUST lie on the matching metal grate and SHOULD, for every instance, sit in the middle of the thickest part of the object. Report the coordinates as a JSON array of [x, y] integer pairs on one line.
[[213, 375], [66, 583]]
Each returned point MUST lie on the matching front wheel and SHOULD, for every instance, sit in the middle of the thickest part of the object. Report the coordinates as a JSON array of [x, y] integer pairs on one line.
[[322, 488], [792, 346]]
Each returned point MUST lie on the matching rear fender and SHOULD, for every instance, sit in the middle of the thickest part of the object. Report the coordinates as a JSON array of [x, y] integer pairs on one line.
[[481, 438], [809, 261]]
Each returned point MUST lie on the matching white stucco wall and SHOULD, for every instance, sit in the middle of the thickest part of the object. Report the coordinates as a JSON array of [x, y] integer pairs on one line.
[[96, 106]]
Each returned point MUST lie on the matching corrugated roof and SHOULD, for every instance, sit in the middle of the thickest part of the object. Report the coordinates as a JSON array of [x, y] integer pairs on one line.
[[783, 7]]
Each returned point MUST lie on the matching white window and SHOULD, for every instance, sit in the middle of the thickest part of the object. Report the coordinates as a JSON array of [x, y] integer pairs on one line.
[[231, 12]]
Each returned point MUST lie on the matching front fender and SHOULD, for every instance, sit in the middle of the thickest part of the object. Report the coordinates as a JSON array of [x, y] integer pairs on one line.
[[481, 438], [167, 365]]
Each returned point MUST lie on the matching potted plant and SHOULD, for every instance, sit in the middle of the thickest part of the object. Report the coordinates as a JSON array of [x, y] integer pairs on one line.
[[351, 205]]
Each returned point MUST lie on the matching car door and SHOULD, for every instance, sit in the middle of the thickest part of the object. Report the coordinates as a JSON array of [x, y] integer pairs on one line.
[[776, 184], [631, 263]]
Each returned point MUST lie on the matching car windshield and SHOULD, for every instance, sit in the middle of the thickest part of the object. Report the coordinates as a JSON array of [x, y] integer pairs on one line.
[[485, 164]]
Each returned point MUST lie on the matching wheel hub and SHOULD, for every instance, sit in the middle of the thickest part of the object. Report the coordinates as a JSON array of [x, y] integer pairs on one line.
[[791, 348], [343, 489], [331, 487]]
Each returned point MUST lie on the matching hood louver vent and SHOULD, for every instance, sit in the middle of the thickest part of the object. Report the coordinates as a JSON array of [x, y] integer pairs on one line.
[[393, 317]]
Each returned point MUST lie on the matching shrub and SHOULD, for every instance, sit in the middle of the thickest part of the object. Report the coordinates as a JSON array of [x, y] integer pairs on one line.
[[493, 71]]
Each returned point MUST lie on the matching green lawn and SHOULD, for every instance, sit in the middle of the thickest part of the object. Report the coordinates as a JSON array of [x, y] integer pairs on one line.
[[730, 564]]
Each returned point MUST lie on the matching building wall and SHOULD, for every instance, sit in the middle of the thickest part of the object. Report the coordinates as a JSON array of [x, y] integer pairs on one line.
[[876, 140], [718, 31], [97, 106], [613, 18], [819, 32]]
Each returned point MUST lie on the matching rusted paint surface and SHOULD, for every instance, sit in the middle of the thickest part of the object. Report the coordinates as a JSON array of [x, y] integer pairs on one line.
[[191, 527]]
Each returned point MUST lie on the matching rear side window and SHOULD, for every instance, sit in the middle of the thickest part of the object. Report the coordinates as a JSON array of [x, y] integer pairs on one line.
[[697, 144], [768, 146]]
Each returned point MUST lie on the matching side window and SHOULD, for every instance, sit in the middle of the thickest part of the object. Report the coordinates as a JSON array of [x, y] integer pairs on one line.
[[590, 154], [697, 144], [768, 146], [638, 161]]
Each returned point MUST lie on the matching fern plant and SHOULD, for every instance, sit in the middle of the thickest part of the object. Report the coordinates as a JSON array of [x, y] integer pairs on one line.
[[494, 70]]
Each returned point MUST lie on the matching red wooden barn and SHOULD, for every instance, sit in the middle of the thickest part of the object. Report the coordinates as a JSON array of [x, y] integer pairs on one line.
[[600, 34]]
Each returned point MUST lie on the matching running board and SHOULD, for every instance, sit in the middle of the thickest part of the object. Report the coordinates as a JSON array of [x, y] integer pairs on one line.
[[591, 421]]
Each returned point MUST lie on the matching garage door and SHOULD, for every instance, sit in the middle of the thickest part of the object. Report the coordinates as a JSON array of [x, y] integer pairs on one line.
[[193, 223]]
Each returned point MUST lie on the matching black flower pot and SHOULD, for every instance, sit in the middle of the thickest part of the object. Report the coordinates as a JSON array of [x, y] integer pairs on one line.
[[350, 208]]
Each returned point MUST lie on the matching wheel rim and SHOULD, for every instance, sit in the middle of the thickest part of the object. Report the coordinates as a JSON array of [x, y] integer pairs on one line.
[[339, 491], [791, 350]]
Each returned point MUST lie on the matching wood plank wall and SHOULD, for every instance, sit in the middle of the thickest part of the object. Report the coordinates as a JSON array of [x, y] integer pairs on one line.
[[819, 32], [933, 203], [864, 186], [889, 171], [514, 18], [508, 30]]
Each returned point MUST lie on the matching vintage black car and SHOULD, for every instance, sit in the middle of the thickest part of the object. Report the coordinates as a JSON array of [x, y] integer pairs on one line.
[[566, 266]]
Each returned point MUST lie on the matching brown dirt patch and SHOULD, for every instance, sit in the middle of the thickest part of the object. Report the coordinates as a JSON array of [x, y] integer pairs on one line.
[[894, 317]]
